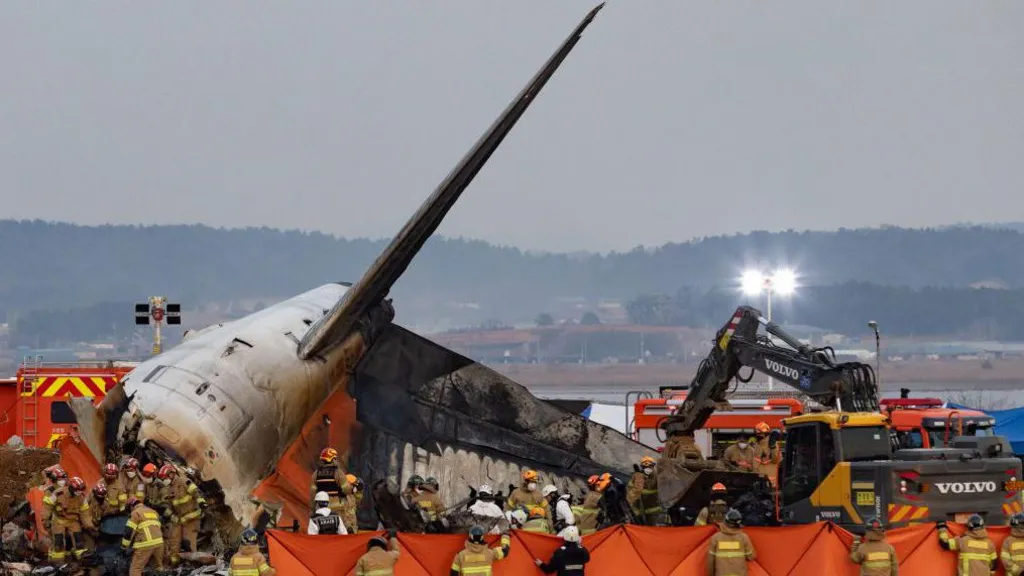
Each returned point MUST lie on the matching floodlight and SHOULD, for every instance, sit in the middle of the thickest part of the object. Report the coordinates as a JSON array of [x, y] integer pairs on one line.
[[784, 282], [752, 282]]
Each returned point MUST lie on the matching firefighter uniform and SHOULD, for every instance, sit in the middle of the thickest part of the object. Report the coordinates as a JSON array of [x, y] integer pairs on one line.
[[976, 554], [713, 514], [351, 505], [537, 521], [742, 459], [69, 513], [429, 503], [728, 552], [522, 497], [477, 559], [587, 513], [642, 496], [249, 561], [378, 561], [875, 556], [185, 513], [142, 534], [768, 459], [1012, 553], [330, 478]]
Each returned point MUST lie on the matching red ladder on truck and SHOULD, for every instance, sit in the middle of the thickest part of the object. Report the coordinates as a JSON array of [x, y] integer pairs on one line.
[[29, 400]]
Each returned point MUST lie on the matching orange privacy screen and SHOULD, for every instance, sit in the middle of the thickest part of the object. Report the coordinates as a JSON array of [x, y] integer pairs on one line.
[[812, 550]]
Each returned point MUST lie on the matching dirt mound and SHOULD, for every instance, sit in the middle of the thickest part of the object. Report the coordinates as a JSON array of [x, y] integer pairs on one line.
[[20, 469]]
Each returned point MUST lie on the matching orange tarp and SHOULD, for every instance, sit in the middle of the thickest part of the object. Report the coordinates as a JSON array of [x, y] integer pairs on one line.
[[813, 550]]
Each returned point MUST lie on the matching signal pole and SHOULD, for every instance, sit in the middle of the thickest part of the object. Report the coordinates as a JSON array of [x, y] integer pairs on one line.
[[160, 311]]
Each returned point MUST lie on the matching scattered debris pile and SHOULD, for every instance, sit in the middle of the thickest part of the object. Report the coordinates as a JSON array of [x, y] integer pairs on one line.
[[20, 469]]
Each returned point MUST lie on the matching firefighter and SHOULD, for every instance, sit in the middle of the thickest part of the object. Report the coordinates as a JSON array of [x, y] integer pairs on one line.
[[569, 559], [527, 493], [324, 520], [380, 558], [147, 488], [51, 477], [143, 538], [766, 452], [976, 552], [413, 487], [348, 513], [740, 456], [1012, 553], [642, 493], [432, 484], [117, 497], [69, 512], [714, 512], [184, 510], [98, 502], [428, 502], [875, 556], [730, 549], [476, 557], [681, 447], [129, 474], [588, 513], [249, 561], [537, 521], [330, 478]]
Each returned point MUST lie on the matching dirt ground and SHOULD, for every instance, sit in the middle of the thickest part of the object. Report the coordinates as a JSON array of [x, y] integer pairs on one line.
[[20, 469], [1002, 374]]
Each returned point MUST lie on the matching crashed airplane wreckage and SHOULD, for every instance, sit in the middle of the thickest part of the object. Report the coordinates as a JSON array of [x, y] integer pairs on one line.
[[245, 407]]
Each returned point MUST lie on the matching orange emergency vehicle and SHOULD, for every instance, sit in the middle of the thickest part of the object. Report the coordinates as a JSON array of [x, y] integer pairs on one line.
[[723, 428], [925, 423], [35, 402]]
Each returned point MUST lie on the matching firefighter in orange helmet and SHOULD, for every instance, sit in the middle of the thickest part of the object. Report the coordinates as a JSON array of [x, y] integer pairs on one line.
[[330, 477], [351, 504], [527, 493], [588, 514], [714, 512], [767, 453], [642, 493]]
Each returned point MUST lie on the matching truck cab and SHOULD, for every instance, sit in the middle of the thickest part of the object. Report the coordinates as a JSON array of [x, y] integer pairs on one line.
[[925, 423]]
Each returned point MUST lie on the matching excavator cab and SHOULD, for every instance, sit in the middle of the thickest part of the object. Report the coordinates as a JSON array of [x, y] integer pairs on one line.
[[815, 481]]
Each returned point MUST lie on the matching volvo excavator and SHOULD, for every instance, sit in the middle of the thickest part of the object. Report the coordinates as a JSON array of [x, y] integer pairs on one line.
[[840, 463]]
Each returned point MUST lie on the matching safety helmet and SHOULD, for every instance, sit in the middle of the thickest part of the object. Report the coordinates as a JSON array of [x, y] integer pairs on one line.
[[133, 502], [415, 480], [603, 481], [51, 472], [476, 535], [249, 537], [647, 462], [537, 512], [328, 455], [110, 470], [131, 464], [592, 481], [100, 489], [76, 484], [873, 524], [762, 428], [376, 542], [149, 470], [357, 486], [571, 534], [351, 478], [59, 474], [431, 481], [1017, 521], [167, 471], [975, 522], [733, 518], [530, 476], [548, 490], [322, 498], [718, 488], [485, 489]]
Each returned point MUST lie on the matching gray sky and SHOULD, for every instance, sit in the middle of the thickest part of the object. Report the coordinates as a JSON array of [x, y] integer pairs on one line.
[[670, 120]]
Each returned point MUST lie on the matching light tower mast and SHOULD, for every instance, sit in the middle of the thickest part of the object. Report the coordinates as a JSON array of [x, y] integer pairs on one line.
[[160, 311]]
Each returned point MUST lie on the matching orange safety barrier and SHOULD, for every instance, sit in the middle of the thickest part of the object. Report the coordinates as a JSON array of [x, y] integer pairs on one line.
[[813, 550]]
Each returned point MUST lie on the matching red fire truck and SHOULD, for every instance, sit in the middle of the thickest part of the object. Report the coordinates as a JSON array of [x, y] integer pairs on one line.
[[35, 402]]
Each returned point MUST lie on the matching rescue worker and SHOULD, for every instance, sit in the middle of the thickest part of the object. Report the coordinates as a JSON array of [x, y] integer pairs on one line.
[[562, 505], [432, 484], [380, 558], [249, 561], [642, 493], [51, 476], [537, 521], [142, 538], [98, 502], [117, 497], [681, 447], [330, 478], [1012, 553], [413, 487], [767, 453], [69, 513], [730, 549], [570, 558], [324, 520], [477, 558], [527, 494], [349, 513], [428, 502], [185, 511], [129, 475], [148, 489], [485, 510], [714, 512], [976, 552], [740, 456], [588, 513], [875, 556]]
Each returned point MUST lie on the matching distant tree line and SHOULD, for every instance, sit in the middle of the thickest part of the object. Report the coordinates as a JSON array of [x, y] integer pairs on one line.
[[975, 313]]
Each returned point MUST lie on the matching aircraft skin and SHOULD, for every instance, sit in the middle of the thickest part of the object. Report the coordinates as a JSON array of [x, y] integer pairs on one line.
[[232, 399]]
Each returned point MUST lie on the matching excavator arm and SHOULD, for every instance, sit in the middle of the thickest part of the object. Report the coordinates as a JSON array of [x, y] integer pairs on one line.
[[847, 386]]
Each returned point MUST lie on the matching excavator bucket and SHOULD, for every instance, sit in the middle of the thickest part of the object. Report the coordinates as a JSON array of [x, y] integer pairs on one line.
[[684, 486]]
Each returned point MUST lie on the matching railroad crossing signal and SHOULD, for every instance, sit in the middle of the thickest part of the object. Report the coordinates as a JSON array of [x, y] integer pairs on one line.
[[160, 311]]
